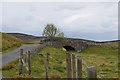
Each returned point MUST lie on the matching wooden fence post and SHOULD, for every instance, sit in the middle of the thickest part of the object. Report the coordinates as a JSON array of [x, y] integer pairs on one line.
[[68, 65], [91, 73], [29, 63], [20, 62], [25, 57], [47, 62], [73, 66], [79, 67]]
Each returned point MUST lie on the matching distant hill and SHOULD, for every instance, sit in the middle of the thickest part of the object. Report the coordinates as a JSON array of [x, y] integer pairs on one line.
[[26, 37], [9, 41], [113, 43], [31, 38]]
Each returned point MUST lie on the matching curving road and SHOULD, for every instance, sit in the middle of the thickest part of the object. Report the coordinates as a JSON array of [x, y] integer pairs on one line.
[[13, 55]]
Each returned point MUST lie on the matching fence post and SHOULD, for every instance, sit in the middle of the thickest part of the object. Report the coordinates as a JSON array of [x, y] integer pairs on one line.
[[68, 65], [20, 62], [79, 67], [91, 73], [47, 62], [73, 66], [29, 63], [25, 57]]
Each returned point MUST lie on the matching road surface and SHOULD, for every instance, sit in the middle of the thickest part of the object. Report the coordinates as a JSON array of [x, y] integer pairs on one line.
[[13, 55]]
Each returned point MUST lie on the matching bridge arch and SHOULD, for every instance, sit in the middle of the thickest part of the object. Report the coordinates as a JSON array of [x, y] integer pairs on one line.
[[69, 48]]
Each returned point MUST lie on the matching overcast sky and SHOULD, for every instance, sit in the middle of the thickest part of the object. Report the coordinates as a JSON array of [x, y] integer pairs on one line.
[[88, 20]]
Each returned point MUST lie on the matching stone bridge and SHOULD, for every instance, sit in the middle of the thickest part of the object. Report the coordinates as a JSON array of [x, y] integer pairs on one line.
[[74, 44]]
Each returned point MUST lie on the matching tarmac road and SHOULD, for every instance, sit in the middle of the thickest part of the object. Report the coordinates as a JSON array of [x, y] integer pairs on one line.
[[13, 55]]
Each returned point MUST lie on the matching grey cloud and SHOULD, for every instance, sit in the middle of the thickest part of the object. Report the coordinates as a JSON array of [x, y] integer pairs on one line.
[[72, 6], [86, 18]]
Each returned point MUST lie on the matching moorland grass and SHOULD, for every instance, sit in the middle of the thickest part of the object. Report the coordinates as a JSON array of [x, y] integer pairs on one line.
[[56, 65], [104, 58], [9, 42]]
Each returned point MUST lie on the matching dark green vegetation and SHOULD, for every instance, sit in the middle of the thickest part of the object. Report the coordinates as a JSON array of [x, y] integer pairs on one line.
[[105, 59], [10, 42]]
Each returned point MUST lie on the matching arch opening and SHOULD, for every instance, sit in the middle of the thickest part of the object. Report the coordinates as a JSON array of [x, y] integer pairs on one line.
[[69, 48]]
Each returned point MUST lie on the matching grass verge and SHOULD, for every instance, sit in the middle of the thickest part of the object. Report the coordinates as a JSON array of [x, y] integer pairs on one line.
[[104, 58], [10, 49], [57, 65]]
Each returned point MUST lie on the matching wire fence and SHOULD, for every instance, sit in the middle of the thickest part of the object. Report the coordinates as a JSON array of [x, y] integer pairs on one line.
[[74, 64]]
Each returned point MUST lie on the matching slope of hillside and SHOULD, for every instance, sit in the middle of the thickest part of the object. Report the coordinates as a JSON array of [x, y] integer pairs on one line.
[[31, 38], [9, 41], [26, 37], [104, 58], [114, 43]]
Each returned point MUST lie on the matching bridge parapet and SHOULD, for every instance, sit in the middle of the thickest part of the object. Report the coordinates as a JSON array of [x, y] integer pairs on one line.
[[78, 45]]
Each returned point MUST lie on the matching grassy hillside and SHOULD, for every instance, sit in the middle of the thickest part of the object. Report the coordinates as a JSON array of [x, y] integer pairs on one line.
[[10, 42], [26, 37], [36, 39], [56, 65], [112, 43], [104, 58]]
